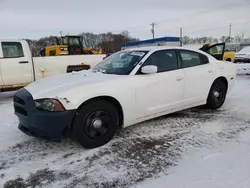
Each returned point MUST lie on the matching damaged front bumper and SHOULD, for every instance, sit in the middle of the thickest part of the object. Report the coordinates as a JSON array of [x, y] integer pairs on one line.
[[37, 123]]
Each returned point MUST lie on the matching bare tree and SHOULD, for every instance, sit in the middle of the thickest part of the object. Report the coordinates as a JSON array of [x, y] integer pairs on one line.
[[90, 40], [112, 42], [247, 40], [239, 38], [186, 40], [223, 38], [228, 40]]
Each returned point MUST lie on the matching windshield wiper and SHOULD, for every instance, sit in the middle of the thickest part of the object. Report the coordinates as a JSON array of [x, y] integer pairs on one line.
[[97, 71]]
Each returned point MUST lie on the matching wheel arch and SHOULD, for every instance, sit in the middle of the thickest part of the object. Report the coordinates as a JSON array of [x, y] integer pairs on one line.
[[210, 104], [111, 100], [224, 79]]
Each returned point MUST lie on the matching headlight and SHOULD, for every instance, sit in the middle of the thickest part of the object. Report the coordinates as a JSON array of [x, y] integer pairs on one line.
[[52, 105]]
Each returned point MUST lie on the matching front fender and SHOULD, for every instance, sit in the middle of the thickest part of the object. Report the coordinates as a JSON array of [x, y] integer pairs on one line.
[[126, 98]]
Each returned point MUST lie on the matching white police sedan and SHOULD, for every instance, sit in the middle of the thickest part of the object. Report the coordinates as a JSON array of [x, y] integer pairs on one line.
[[126, 88]]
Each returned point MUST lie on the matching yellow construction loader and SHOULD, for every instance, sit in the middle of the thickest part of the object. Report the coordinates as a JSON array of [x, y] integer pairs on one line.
[[68, 45]]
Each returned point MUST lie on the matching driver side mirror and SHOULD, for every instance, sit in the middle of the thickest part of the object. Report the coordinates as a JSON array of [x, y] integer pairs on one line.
[[149, 69]]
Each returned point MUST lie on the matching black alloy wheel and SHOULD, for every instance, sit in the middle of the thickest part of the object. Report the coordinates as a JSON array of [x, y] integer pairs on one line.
[[217, 94], [95, 123]]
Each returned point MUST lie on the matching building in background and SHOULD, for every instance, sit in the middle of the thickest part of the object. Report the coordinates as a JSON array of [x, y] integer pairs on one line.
[[163, 41]]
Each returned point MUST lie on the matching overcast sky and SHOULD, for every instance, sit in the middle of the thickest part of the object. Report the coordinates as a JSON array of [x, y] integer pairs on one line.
[[37, 18]]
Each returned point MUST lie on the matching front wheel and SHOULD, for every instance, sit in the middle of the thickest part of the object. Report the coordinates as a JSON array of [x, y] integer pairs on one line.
[[217, 95], [95, 124]]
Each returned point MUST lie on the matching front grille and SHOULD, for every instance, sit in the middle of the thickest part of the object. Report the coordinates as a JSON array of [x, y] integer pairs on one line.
[[20, 110], [19, 100]]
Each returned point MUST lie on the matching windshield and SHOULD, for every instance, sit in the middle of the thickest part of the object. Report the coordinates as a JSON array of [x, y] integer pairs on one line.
[[121, 63], [71, 41], [74, 41]]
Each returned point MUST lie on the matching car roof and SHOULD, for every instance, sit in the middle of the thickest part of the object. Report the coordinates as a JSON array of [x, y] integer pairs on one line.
[[155, 48], [193, 46], [12, 40]]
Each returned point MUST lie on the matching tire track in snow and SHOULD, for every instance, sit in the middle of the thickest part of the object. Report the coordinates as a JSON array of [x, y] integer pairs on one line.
[[137, 153]]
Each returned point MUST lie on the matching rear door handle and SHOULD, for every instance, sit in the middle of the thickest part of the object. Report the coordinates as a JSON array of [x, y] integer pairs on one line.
[[22, 62], [179, 78]]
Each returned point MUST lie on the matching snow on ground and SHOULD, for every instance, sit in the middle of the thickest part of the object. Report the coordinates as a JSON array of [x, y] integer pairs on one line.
[[243, 68], [224, 165], [9, 135], [192, 148]]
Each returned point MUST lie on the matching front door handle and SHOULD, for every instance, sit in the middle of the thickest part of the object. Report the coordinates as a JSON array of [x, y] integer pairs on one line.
[[179, 78], [22, 62]]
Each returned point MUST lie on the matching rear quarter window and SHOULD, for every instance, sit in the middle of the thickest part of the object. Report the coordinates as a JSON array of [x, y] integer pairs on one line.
[[204, 59], [191, 58]]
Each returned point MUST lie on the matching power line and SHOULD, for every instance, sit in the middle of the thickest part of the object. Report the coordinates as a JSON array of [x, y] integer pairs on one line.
[[195, 24], [238, 4], [234, 5], [218, 27]]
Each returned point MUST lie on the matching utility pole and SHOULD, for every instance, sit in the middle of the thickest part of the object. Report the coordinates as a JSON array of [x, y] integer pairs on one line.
[[230, 29], [153, 29], [181, 36], [61, 33]]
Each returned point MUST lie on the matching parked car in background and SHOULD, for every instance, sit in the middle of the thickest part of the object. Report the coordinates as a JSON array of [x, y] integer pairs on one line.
[[126, 88], [243, 55]]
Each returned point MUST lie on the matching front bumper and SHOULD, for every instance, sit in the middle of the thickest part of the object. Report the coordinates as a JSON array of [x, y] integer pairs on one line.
[[243, 60], [37, 123]]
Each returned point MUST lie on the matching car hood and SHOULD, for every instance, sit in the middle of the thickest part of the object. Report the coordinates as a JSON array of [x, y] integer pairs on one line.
[[50, 86]]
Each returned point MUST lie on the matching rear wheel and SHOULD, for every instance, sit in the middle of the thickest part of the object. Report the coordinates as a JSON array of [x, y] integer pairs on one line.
[[217, 95], [95, 124]]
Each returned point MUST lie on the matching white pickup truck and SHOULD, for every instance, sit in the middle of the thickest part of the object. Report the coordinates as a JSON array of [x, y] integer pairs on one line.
[[18, 68]]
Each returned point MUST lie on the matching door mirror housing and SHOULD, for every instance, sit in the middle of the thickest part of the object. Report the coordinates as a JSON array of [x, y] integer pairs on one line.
[[149, 69]]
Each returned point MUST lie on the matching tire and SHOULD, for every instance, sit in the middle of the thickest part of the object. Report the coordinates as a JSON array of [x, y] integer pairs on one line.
[[228, 59], [95, 124], [217, 95]]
